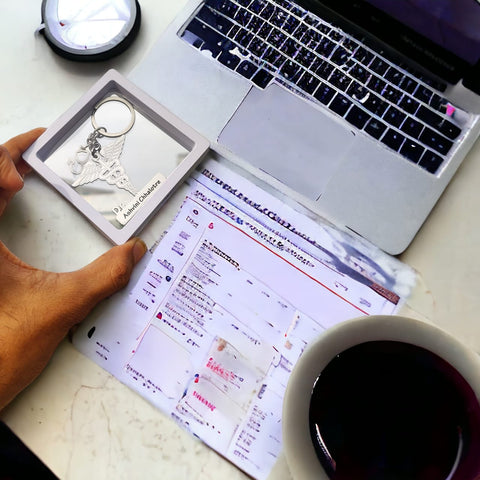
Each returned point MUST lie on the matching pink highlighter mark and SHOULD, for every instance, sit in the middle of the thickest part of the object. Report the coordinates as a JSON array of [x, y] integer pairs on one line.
[[450, 110]]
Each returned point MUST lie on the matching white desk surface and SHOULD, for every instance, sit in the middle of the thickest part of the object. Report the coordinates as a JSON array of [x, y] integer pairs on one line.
[[77, 418]]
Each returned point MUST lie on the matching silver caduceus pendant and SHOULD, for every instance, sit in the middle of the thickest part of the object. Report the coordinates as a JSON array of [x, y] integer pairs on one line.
[[96, 162]]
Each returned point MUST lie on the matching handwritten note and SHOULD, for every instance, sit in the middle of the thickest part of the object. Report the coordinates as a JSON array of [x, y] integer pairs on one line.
[[225, 306]]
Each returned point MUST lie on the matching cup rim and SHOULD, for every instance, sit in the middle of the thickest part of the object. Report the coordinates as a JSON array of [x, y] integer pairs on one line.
[[298, 447]]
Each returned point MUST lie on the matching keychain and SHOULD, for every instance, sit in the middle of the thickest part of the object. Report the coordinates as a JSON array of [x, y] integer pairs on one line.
[[96, 162]]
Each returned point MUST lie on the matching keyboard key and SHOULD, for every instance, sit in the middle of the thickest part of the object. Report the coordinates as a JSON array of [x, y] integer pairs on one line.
[[409, 104], [247, 69], [325, 47], [360, 73], [279, 60], [291, 23], [264, 31], [411, 127], [340, 56], [412, 150], [262, 78], [379, 66], [323, 27], [335, 35], [316, 64], [430, 161], [408, 84], [257, 6], [350, 45], [394, 76], [375, 128], [308, 83], [200, 30], [226, 7], [424, 94], [306, 57], [290, 47], [340, 104], [256, 23], [357, 117], [243, 17], [375, 104], [449, 130], [429, 117], [435, 141], [438, 103], [363, 56], [291, 71], [279, 17], [376, 84], [324, 93], [392, 94], [302, 33], [257, 47], [393, 139], [276, 38], [298, 11], [212, 40], [324, 69], [394, 117], [243, 37], [268, 11], [218, 22], [311, 38], [357, 91], [339, 80], [269, 55], [229, 60], [311, 20]]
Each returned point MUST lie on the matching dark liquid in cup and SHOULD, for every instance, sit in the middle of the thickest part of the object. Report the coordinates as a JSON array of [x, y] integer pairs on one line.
[[393, 411]]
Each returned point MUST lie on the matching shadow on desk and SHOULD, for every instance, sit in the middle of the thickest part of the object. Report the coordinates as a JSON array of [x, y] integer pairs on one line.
[[17, 462]]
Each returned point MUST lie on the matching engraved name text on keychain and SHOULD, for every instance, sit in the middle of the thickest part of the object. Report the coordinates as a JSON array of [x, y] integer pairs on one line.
[[93, 161]]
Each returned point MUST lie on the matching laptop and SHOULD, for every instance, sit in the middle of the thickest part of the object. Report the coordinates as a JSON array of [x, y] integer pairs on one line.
[[361, 110]]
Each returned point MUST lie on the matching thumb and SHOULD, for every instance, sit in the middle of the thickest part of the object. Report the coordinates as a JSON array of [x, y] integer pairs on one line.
[[105, 275], [10, 179]]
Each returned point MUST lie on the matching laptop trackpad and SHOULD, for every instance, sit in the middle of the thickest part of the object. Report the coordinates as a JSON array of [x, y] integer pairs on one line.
[[288, 138]]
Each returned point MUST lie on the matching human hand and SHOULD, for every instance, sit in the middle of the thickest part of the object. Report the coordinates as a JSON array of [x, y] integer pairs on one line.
[[12, 166], [38, 308]]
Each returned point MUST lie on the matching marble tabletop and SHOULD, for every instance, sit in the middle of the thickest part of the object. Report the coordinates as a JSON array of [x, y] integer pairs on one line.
[[76, 417]]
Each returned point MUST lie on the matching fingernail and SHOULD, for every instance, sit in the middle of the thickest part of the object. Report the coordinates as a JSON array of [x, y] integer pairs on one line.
[[139, 250]]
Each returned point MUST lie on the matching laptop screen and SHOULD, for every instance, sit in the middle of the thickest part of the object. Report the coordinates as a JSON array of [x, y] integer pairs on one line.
[[441, 36], [451, 24]]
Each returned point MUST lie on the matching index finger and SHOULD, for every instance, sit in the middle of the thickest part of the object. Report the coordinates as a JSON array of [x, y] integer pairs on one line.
[[17, 145]]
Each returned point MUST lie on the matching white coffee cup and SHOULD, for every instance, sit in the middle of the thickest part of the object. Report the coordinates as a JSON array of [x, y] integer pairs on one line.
[[301, 454]]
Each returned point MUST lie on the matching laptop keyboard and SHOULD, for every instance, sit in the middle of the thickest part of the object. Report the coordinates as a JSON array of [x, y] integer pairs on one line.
[[275, 40]]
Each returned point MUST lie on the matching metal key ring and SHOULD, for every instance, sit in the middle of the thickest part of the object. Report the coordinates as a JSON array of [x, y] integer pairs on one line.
[[104, 130]]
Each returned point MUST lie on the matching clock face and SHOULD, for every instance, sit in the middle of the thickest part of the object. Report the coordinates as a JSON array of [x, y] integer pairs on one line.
[[87, 30]]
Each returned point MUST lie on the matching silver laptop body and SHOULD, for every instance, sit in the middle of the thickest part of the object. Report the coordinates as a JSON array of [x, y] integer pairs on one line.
[[345, 165]]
